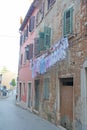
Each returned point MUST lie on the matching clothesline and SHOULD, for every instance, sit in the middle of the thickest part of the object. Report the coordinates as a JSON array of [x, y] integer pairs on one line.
[[42, 63]]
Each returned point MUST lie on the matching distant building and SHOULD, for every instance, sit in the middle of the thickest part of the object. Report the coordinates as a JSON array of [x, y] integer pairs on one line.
[[7, 78]]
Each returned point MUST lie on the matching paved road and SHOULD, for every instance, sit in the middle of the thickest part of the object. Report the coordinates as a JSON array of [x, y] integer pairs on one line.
[[13, 117]]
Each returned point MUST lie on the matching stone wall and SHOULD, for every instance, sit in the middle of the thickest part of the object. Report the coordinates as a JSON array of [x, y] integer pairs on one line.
[[71, 66]]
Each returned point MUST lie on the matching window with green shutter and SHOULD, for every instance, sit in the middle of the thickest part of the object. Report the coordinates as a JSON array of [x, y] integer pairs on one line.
[[41, 41], [46, 88], [47, 37], [68, 22]]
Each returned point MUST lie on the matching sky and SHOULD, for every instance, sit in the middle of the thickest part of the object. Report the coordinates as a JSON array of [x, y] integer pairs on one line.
[[10, 13]]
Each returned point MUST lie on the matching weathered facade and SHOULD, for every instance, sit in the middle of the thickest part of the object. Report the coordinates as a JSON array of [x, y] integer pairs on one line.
[[25, 80], [59, 62]]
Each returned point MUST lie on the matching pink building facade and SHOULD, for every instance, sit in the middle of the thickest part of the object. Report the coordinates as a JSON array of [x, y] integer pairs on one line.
[[25, 80]]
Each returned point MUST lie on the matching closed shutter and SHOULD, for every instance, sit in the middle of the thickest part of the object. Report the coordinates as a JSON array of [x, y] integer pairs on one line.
[[47, 37], [24, 56], [32, 23], [68, 22], [21, 59], [36, 46], [41, 41], [27, 52], [27, 31], [46, 88], [37, 18], [30, 51]]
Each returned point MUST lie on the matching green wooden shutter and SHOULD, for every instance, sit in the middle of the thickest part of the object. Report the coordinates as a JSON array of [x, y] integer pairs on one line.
[[68, 22], [46, 88], [71, 19], [41, 41], [47, 37]]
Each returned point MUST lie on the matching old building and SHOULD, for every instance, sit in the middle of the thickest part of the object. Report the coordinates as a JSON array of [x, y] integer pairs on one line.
[[25, 80], [58, 71]]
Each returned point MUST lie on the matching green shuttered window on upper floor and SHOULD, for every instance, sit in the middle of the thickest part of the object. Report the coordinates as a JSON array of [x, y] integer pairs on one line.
[[68, 22], [41, 41], [47, 37]]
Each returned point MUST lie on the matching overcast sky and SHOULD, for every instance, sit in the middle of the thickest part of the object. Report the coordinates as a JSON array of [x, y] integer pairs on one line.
[[10, 12]]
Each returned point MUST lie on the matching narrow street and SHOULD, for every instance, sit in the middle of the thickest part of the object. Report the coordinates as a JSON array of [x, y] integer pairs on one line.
[[12, 117]]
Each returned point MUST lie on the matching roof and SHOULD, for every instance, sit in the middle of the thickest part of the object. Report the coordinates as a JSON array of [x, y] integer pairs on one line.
[[31, 9]]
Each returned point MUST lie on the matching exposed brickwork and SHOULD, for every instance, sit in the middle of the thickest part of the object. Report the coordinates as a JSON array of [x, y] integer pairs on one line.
[[76, 53]]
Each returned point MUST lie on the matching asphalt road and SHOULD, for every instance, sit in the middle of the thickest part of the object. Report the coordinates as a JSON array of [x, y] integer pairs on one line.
[[12, 117]]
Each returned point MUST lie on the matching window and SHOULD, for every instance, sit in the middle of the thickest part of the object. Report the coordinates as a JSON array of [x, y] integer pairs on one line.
[[50, 3], [41, 41], [67, 81], [68, 22], [28, 52], [30, 55], [26, 56], [46, 88], [23, 89], [40, 14], [24, 36], [26, 32], [47, 37], [32, 23]]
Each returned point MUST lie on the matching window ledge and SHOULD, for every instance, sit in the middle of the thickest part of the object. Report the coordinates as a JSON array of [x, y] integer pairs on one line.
[[71, 36]]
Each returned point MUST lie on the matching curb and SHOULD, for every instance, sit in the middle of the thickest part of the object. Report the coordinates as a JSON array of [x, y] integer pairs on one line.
[[62, 128], [20, 105]]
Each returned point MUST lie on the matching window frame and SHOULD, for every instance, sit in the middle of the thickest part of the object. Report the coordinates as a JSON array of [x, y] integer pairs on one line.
[[68, 22], [32, 23], [47, 35]]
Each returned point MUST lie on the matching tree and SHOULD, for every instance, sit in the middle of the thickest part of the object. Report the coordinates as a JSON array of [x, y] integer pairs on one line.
[[4, 70], [13, 82]]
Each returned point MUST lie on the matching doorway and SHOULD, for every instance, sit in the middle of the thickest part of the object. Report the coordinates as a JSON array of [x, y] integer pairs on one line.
[[20, 85], [66, 101], [29, 94], [37, 84]]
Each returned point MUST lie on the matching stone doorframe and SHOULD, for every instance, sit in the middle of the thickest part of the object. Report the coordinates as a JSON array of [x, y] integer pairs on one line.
[[84, 95]]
